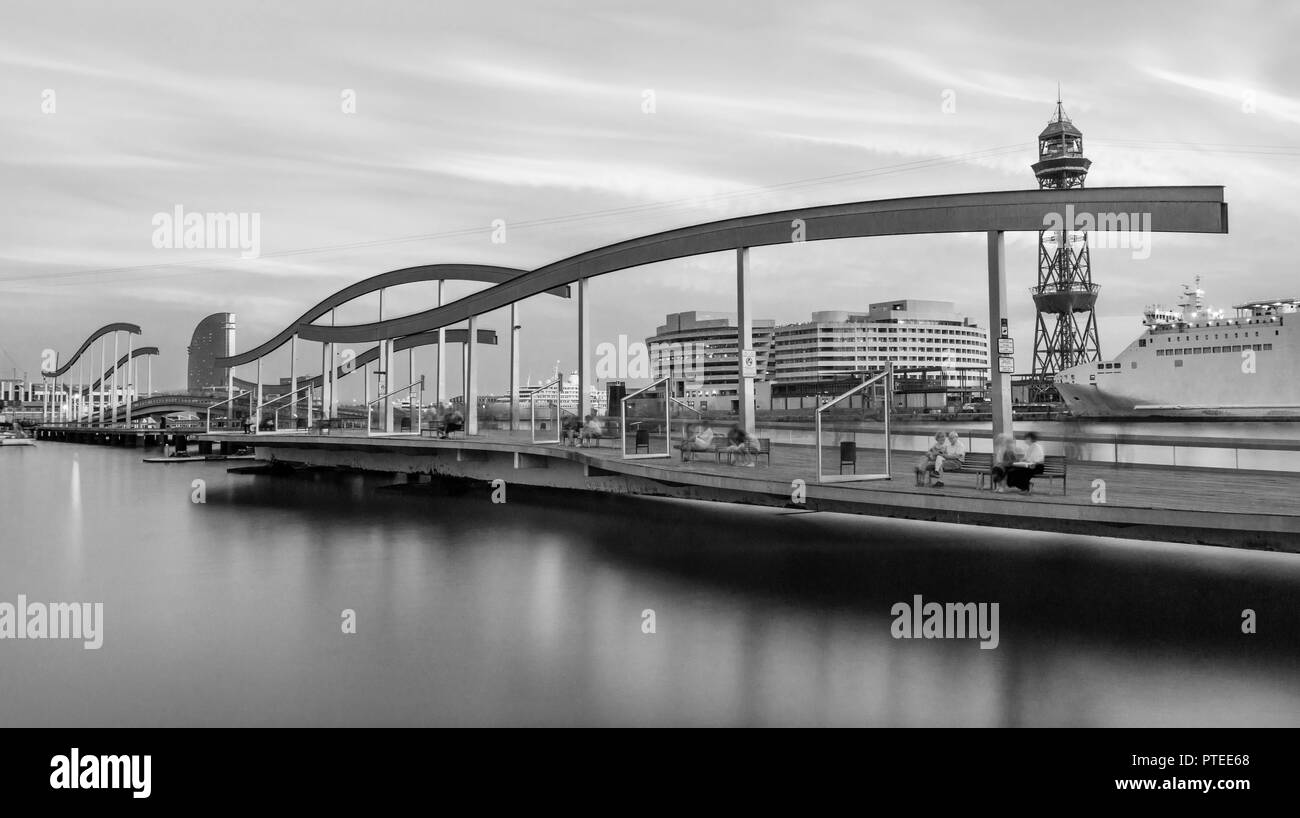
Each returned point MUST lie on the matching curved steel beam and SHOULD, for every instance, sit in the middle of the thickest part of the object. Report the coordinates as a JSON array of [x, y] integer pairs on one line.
[[134, 329], [408, 275], [1170, 210]]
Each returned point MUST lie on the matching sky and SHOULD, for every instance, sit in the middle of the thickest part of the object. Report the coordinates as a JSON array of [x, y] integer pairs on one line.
[[371, 137]]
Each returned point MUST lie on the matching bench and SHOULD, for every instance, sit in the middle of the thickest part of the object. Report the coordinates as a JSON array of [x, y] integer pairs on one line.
[[1054, 468], [764, 450], [436, 427]]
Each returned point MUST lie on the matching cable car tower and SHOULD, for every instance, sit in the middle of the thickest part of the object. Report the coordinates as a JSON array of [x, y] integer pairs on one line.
[[1066, 330]]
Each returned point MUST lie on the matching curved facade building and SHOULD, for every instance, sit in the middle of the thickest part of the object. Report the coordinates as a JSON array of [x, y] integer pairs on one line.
[[213, 338]]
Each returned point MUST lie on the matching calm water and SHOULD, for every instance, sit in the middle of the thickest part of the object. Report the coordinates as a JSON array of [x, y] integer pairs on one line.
[[228, 613]]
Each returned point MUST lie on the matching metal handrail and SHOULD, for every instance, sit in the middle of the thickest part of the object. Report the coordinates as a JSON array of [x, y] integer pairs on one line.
[[559, 414], [230, 400], [275, 416], [622, 416], [822, 477], [415, 427]]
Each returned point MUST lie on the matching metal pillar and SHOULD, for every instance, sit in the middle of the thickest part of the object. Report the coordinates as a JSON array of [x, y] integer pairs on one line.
[[471, 378], [514, 367], [744, 340], [256, 415], [149, 372], [1001, 382], [130, 380], [383, 368], [334, 397], [293, 380], [584, 349], [103, 345], [116, 357], [440, 385]]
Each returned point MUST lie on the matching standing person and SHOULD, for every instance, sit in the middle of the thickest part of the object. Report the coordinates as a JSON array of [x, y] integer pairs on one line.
[[952, 458], [925, 464], [1031, 464], [1004, 454], [701, 440], [741, 445]]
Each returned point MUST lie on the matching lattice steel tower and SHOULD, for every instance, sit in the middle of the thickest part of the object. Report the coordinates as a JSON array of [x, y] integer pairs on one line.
[[1066, 331]]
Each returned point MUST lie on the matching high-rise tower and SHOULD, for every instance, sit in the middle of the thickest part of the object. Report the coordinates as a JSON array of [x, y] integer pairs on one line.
[[1066, 330]]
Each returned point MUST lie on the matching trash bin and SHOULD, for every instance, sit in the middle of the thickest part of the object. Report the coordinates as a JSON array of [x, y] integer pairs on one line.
[[849, 456], [406, 425]]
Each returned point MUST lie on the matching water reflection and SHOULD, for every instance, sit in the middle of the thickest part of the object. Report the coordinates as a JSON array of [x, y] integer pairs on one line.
[[228, 612]]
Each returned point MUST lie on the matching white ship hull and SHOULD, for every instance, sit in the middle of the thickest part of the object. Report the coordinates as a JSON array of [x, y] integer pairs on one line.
[[1243, 367]]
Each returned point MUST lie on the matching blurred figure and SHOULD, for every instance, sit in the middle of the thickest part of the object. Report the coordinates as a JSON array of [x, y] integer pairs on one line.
[[1004, 455], [701, 440], [742, 446], [1028, 465]]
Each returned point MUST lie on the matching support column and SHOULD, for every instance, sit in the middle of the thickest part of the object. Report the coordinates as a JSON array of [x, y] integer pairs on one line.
[[744, 340], [130, 379], [116, 358], [514, 366], [149, 372], [256, 415], [584, 350], [103, 345], [1001, 383], [440, 385], [471, 378], [324, 380], [334, 374], [293, 380], [384, 369]]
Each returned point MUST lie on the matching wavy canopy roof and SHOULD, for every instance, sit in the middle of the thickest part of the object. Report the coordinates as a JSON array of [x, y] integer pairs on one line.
[[408, 275], [1172, 209], [134, 329]]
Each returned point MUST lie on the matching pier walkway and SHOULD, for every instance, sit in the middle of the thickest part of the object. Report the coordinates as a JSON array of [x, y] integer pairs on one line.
[[1189, 505]]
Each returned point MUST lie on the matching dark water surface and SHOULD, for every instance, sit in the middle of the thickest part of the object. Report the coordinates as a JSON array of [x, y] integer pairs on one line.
[[469, 612]]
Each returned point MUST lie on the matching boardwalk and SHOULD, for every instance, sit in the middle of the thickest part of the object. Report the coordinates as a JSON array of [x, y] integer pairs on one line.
[[1185, 505]]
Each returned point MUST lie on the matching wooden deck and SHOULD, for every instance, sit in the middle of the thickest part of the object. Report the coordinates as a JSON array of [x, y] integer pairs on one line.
[[1175, 504]]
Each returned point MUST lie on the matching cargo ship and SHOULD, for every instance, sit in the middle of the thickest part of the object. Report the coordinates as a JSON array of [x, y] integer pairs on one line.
[[1195, 362]]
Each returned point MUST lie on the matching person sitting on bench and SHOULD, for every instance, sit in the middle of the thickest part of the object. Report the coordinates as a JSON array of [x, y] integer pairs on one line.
[[1004, 454], [700, 441], [742, 446], [925, 465], [592, 430], [453, 421], [1031, 464], [571, 431], [952, 458]]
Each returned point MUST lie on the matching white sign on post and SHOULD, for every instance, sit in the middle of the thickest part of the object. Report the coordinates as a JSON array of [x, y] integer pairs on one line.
[[1006, 346], [1006, 365], [748, 364]]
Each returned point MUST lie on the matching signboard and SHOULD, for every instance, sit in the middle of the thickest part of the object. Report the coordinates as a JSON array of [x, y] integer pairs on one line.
[[748, 364], [1006, 365], [1006, 332], [1006, 346]]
